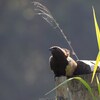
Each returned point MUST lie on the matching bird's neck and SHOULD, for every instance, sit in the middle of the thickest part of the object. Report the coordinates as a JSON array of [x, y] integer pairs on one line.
[[71, 67]]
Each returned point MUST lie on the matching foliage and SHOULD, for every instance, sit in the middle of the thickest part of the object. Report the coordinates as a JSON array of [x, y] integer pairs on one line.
[[98, 40], [98, 83], [75, 78]]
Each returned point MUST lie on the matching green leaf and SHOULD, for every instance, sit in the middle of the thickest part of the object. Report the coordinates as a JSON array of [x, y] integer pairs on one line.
[[98, 41], [98, 83], [86, 85], [96, 28], [96, 65], [59, 85], [74, 78]]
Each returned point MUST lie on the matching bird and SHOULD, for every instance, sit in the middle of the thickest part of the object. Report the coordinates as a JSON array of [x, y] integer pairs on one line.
[[62, 64]]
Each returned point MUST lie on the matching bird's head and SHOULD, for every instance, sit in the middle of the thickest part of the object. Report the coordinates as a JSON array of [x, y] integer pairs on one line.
[[58, 52]]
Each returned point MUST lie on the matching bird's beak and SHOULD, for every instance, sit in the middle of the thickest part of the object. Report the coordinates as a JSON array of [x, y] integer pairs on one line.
[[50, 49]]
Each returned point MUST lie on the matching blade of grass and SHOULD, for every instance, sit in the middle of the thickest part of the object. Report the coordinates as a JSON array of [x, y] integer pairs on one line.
[[95, 66], [75, 78], [98, 41], [96, 28], [59, 85], [98, 83], [86, 85]]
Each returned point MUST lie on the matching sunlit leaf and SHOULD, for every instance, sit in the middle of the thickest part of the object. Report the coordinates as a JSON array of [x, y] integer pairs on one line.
[[98, 41], [75, 78], [96, 65], [96, 28]]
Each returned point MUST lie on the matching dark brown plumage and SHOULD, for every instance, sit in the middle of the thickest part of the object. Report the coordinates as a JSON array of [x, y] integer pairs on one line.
[[58, 60]]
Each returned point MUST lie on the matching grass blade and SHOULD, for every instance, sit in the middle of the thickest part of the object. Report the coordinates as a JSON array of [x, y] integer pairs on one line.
[[98, 83], [96, 28], [96, 65], [98, 41], [59, 85], [86, 85], [75, 78]]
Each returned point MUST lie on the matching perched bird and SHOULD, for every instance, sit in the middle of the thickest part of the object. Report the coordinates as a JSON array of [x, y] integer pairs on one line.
[[58, 60], [63, 65]]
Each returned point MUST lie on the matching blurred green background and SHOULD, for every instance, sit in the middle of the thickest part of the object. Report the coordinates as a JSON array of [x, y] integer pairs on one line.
[[25, 39]]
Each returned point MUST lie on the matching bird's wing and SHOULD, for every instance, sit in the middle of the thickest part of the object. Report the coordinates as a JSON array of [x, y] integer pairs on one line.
[[91, 63]]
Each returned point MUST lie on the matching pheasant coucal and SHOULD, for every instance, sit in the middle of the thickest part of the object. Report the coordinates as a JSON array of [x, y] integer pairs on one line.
[[63, 65]]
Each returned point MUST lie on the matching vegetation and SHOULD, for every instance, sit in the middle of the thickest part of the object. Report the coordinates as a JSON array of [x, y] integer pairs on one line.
[[25, 39]]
